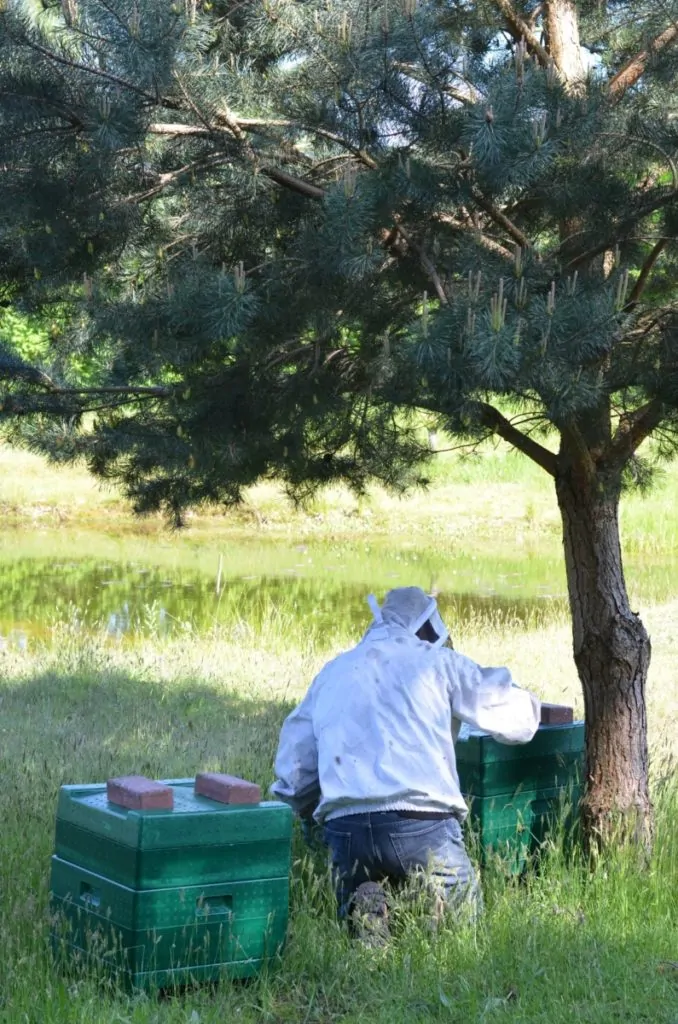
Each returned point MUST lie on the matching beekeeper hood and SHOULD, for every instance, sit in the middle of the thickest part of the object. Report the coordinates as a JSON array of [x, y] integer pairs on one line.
[[410, 608]]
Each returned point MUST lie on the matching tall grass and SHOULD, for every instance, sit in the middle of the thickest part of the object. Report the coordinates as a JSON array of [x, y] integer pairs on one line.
[[564, 945], [492, 497]]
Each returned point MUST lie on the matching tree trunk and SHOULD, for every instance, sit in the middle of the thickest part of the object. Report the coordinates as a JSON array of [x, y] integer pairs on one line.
[[612, 654], [561, 22]]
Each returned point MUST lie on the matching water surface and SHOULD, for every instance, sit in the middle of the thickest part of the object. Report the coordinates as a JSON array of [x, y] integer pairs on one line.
[[158, 583]]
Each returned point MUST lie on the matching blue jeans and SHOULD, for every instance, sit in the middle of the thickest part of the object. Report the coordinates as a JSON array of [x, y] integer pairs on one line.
[[389, 845]]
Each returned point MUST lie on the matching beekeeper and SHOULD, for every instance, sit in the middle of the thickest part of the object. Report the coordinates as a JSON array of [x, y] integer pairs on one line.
[[369, 752]]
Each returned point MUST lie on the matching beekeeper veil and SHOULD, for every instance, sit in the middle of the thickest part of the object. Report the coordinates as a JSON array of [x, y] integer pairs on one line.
[[410, 608]]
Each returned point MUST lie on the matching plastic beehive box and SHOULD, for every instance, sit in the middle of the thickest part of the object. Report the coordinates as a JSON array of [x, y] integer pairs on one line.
[[166, 897], [516, 792]]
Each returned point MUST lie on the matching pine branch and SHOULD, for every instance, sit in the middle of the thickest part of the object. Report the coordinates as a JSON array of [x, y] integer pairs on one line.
[[169, 177], [303, 188], [635, 68], [625, 138], [172, 128], [331, 161], [455, 93], [123, 402], [290, 181], [644, 275], [193, 106], [98, 73], [482, 239], [501, 219], [535, 15], [18, 370], [237, 127], [252, 123], [500, 425], [240, 125], [127, 389], [232, 124], [56, 106], [426, 263], [633, 429], [622, 231], [44, 381], [520, 30]]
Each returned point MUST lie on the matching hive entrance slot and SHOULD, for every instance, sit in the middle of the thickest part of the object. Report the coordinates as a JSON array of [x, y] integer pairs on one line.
[[221, 904], [90, 897]]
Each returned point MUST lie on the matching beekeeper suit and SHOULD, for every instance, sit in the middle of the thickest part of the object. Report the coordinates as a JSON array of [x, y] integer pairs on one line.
[[370, 749]]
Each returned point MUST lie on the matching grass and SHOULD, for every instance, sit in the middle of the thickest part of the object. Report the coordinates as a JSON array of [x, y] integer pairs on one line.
[[566, 946], [492, 498]]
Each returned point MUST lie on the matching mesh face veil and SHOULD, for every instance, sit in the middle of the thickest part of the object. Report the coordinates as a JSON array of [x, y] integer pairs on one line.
[[411, 608], [433, 617]]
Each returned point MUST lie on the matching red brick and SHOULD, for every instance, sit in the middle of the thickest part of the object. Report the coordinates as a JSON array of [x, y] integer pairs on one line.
[[227, 789], [138, 793], [556, 714]]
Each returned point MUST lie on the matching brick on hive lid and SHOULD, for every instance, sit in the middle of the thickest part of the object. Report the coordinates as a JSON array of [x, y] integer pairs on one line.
[[227, 789], [556, 714], [137, 793]]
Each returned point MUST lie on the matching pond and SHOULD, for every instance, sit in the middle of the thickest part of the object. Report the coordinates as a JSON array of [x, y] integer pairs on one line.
[[139, 583]]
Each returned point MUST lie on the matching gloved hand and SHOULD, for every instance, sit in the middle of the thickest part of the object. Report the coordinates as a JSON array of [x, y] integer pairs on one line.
[[312, 832], [307, 803]]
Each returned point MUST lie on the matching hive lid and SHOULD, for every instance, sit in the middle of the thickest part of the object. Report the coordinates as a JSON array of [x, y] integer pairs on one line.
[[548, 741], [193, 820]]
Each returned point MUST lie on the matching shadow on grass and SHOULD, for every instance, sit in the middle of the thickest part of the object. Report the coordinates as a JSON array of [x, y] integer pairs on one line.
[[80, 726]]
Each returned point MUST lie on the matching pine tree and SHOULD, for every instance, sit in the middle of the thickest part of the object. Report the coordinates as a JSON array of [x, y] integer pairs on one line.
[[276, 231]]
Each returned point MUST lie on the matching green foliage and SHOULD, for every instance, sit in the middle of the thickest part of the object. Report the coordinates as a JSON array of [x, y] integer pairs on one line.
[[278, 226], [25, 336]]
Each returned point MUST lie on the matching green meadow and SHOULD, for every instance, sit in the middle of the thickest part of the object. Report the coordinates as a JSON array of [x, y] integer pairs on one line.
[[128, 648]]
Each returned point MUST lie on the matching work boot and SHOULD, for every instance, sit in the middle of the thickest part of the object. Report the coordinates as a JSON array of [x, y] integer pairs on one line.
[[369, 915]]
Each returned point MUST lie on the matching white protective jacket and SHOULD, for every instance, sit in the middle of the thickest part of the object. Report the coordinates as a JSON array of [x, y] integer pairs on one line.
[[376, 729]]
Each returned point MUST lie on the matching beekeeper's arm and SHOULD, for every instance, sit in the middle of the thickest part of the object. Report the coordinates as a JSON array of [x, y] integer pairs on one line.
[[296, 763], [488, 699]]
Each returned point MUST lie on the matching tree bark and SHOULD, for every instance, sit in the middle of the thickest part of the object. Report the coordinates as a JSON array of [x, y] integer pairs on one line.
[[612, 654], [611, 647], [561, 22]]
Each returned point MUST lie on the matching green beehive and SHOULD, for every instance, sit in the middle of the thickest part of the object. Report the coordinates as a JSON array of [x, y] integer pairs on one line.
[[515, 792], [165, 897]]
